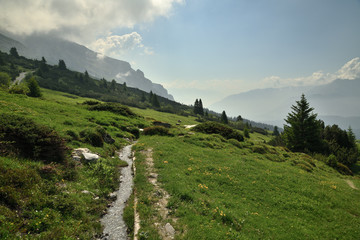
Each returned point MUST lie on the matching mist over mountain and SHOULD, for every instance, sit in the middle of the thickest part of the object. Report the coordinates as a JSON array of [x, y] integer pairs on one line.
[[80, 58], [335, 103]]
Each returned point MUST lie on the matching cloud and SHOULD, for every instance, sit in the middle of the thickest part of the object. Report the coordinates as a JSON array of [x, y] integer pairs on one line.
[[122, 76], [118, 44], [351, 70], [82, 20]]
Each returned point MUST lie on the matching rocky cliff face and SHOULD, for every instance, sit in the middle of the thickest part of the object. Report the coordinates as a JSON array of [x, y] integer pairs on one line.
[[80, 58]]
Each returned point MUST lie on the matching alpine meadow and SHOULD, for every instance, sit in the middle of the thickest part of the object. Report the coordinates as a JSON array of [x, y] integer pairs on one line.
[[240, 136]]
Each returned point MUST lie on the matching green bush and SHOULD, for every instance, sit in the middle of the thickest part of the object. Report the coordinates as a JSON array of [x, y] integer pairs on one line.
[[218, 128], [343, 169], [93, 137], [156, 130], [19, 89], [23, 137], [112, 107]]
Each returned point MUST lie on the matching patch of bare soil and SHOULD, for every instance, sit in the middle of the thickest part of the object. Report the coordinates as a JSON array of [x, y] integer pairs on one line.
[[351, 184], [163, 223]]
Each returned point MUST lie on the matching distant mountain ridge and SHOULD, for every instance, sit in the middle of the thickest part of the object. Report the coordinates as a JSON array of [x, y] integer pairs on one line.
[[336, 103], [80, 58]]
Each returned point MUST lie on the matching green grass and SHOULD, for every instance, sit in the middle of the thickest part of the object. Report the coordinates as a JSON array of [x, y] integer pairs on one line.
[[61, 200], [173, 119], [248, 190]]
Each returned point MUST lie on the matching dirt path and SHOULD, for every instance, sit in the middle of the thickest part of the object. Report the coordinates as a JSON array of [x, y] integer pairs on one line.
[[113, 222], [351, 184], [165, 229]]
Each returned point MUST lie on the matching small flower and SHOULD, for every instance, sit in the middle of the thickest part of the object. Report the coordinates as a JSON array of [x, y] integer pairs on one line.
[[166, 162]]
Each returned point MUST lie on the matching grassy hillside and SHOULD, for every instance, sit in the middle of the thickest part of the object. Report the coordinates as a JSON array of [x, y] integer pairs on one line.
[[64, 199], [224, 189]]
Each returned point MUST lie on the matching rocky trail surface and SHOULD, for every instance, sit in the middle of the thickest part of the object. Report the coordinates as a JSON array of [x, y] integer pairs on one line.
[[113, 222]]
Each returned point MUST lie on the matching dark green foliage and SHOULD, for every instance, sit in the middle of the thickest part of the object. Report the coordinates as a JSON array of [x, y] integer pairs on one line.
[[92, 136], [304, 131], [198, 107], [246, 133], [20, 136], [91, 102], [62, 65], [224, 118], [19, 89], [14, 52], [154, 100], [218, 128], [276, 131], [156, 130], [114, 108], [34, 89], [4, 80]]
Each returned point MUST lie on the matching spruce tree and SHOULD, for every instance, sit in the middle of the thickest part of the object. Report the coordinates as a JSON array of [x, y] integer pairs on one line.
[[201, 108], [303, 132], [155, 101], [62, 65], [224, 118], [276, 131], [196, 106], [14, 52], [34, 88]]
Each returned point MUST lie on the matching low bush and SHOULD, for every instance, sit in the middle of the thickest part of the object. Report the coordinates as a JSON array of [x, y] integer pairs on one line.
[[23, 137], [112, 107], [218, 128], [157, 130], [92, 136]]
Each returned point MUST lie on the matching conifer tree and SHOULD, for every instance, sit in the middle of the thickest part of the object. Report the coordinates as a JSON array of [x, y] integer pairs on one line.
[[155, 101], [196, 106], [34, 88], [62, 65], [201, 109], [224, 118], [276, 131], [14, 52], [303, 132]]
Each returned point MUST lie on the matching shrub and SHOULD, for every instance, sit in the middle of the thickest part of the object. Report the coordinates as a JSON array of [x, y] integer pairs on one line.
[[218, 128], [91, 102], [34, 88], [261, 149], [19, 89], [23, 137], [93, 137], [112, 107], [156, 130], [73, 134], [343, 169]]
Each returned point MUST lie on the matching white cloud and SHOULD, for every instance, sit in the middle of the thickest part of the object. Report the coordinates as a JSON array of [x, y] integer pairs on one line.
[[351, 70], [81, 20], [122, 76], [117, 45]]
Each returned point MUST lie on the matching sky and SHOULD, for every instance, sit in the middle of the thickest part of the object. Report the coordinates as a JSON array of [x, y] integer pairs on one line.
[[205, 48]]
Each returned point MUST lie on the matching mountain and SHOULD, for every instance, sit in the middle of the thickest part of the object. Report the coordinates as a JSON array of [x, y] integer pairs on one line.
[[336, 103], [80, 58]]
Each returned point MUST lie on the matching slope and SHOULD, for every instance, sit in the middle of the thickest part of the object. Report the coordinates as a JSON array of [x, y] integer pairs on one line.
[[241, 190], [80, 58]]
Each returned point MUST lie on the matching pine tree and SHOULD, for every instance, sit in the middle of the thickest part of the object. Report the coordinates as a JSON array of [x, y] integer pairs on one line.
[[224, 118], [196, 106], [14, 52], [62, 65], [201, 108], [34, 88], [304, 131], [276, 131], [155, 101], [143, 98]]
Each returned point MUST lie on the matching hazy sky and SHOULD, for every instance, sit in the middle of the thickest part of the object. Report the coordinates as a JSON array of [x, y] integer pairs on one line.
[[205, 48]]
